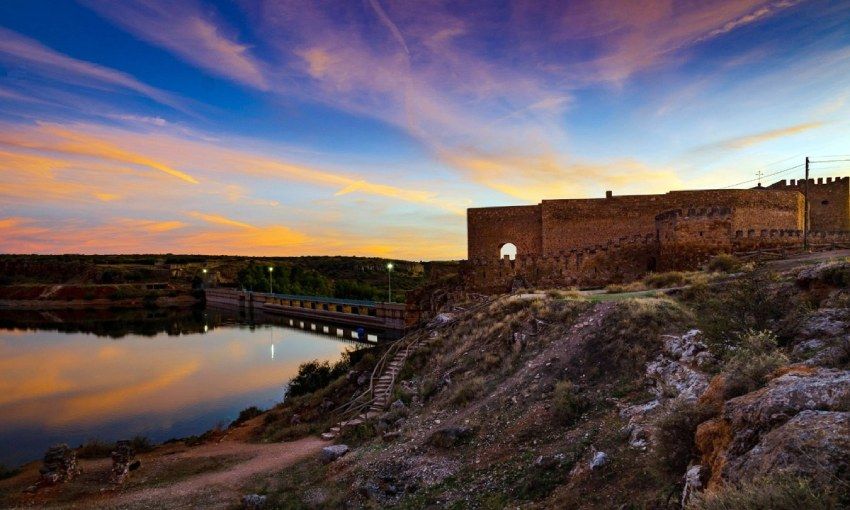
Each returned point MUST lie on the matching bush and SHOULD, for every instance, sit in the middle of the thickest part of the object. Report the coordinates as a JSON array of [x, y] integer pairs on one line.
[[8, 472], [675, 436], [751, 302], [313, 376], [724, 263], [468, 391], [753, 360], [95, 449], [668, 279], [781, 492], [141, 444], [567, 405], [246, 414]]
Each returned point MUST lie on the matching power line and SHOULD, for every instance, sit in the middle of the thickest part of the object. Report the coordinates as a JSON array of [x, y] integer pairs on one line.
[[830, 160], [763, 176]]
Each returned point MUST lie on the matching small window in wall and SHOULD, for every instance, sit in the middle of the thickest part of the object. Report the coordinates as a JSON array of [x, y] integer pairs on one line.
[[508, 249], [824, 202]]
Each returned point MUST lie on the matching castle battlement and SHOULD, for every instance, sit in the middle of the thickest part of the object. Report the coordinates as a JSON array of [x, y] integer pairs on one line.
[[595, 241]]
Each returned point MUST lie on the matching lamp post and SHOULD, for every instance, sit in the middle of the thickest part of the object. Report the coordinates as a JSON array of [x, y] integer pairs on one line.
[[270, 280], [204, 285], [389, 282]]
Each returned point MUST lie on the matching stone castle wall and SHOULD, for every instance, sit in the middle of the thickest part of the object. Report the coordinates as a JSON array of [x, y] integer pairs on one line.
[[829, 201], [588, 242]]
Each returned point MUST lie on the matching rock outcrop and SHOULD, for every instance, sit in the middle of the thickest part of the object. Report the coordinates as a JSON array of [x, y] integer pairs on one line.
[[60, 465], [798, 422]]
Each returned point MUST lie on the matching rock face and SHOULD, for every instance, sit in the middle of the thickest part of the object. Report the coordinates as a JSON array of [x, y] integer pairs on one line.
[[333, 452], [799, 423], [802, 389], [815, 444], [675, 374], [60, 465], [122, 459], [694, 483]]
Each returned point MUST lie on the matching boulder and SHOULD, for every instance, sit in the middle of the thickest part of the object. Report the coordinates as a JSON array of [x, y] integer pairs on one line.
[[450, 436], [802, 388], [814, 444], [253, 501], [333, 452], [398, 406], [599, 460]]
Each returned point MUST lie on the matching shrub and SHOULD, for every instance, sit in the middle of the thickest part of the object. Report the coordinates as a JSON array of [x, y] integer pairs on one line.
[[8, 472], [668, 279], [468, 391], [675, 436], [246, 414], [142, 444], [567, 405], [95, 449], [782, 492], [314, 375], [620, 345], [753, 360], [724, 263]]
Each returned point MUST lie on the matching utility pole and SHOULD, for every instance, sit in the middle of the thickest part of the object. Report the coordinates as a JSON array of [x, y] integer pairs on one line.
[[806, 209]]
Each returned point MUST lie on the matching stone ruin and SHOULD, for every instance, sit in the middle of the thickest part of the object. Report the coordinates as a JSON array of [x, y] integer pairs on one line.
[[60, 465], [123, 461], [592, 242]]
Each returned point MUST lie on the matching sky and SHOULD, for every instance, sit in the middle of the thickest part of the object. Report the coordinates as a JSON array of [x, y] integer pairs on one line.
[[368, 127]]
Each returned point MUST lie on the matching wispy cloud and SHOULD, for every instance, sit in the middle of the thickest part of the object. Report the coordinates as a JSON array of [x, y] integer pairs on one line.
[[22, 50], [217, 219], [749, 140], [190, 32]]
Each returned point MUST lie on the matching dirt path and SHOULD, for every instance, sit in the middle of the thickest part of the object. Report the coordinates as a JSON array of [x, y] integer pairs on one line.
[[222, 471]]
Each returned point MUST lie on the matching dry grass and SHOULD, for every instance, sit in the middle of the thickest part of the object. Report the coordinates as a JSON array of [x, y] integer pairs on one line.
[[773, 493]]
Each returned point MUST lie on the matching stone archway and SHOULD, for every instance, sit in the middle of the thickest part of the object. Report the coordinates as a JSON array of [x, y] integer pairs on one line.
[[508, 250]]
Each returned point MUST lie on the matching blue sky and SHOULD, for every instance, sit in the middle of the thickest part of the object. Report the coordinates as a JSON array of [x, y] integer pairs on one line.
[[264, 127]]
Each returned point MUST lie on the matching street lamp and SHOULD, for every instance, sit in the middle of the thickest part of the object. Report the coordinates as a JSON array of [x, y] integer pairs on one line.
[[389, 282], [270, 279], [204, 270]]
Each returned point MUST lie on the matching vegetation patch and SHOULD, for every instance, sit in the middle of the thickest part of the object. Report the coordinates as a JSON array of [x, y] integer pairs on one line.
[[782, 492]]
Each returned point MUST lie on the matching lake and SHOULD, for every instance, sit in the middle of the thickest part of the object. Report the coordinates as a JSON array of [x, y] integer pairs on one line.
[[69, 376]]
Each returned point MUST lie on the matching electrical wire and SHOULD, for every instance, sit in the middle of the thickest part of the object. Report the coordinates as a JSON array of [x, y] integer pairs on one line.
[[763, 176]]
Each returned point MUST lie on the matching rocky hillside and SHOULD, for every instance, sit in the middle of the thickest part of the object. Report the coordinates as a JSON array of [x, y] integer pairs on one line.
[[733, 392]]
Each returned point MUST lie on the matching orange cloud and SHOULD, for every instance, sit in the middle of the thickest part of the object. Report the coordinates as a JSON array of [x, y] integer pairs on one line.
[[742, 142], [220, 220]]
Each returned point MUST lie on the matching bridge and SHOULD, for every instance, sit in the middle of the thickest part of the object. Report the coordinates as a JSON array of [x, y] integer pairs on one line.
[[370, 315]]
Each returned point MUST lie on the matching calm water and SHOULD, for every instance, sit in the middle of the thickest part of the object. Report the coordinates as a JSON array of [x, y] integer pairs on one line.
[[70, 376]]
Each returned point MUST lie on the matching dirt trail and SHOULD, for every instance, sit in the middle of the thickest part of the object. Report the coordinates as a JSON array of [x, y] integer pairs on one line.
[[216, 489]]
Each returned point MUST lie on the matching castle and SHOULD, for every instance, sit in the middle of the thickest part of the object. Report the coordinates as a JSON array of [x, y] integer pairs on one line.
[[595, 241]]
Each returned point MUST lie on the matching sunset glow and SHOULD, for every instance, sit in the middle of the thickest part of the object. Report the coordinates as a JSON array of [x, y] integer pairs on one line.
[[277, 127]]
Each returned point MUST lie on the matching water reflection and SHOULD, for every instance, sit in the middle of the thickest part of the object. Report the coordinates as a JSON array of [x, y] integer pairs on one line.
[[72, 375]]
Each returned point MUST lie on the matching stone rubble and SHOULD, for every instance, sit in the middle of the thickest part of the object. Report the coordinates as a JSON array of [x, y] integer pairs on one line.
[[60, 465], [123, 461]]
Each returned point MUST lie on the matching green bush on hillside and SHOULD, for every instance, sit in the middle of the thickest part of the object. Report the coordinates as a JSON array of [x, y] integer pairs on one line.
[[752, 361]]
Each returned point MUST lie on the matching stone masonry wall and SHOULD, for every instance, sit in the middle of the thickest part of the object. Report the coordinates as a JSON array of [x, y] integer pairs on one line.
[[829, 201], [491, 227], [589, 242]]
